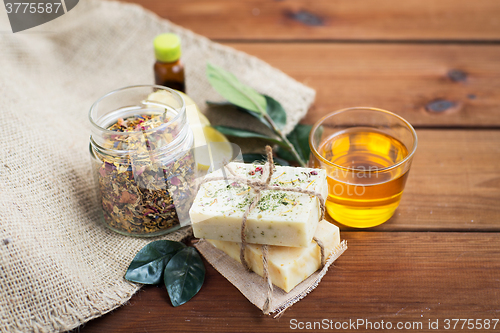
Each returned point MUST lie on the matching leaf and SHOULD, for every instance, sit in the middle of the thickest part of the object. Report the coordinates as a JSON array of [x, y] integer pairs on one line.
[[299, 138], [225, 104], [234, 91], [220, 103], [148, 265], [276, 112], [184, 275], [241, 133], [250, 158]]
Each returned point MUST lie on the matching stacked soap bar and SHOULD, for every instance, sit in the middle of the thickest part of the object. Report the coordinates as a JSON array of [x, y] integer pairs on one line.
[[288, 266], [280, 218]]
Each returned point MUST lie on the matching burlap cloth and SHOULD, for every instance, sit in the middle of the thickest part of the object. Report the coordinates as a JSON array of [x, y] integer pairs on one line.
[[58, 266]]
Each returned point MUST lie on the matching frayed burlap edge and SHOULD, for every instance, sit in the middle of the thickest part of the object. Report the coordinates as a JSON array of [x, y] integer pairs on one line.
[[95, 302], [58, 266]]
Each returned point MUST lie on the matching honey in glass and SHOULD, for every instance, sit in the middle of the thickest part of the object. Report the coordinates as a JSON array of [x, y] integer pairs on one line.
[[367, 167]]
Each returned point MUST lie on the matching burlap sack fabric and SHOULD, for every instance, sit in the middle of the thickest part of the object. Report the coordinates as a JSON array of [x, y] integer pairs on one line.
[[58, 266]]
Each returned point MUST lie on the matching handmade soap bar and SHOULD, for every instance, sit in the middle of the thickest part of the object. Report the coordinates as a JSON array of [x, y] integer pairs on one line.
[[288, 266], [279, 218]]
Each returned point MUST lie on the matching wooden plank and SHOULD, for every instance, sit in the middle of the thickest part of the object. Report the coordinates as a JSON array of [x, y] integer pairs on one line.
[[402, 78], [454, 183], [394, 277], [335, 19]]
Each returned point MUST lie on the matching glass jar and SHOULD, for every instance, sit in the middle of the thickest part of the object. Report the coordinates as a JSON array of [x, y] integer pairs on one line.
[[142, 160]]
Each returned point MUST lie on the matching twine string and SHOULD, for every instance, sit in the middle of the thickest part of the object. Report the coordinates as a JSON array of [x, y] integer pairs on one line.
[[268, 302], [321, 249], [259, 185]]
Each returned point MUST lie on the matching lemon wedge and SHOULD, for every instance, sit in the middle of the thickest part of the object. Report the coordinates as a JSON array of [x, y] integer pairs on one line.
[[203, 120], [211, 146], [166, 97], [221, 149], [217, 150]]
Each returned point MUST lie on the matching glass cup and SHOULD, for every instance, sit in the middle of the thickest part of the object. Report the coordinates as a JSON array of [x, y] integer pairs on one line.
[[367, 154]]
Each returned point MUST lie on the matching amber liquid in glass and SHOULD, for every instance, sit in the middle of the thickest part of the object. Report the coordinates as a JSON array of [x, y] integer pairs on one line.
[[360, 193]]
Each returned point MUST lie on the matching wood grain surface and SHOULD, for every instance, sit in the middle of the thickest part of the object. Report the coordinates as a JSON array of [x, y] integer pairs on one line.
[[429, 85], [396, 277], [454, 183], [378, 20], [436, 63]]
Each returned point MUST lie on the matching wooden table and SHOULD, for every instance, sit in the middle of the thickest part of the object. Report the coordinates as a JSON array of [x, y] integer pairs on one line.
[[437, 64]]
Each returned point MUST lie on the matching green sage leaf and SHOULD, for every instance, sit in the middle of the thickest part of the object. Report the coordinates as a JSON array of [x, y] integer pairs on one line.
[[149, 263], [259, 158], [276, 112], [236, 108], [299, 138], [184, 275], [241, 133], [223, 104], [226, 84]]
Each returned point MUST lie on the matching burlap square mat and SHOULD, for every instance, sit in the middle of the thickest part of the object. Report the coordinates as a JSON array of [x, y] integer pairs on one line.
[[58, 266]]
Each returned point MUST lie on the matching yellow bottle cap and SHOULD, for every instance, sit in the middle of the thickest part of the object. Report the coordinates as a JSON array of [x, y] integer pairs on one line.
[[167, 47]]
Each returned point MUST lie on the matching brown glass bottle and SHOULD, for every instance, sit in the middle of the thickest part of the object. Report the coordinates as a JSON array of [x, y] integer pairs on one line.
[[168, 69]]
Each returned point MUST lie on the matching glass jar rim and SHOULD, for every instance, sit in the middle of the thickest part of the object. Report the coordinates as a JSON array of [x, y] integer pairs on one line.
[[389, 168], [104, 130]]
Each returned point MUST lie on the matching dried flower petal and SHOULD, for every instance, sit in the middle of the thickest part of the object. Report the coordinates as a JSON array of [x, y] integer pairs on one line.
[[175, 181], [128, 198], [135, 193]]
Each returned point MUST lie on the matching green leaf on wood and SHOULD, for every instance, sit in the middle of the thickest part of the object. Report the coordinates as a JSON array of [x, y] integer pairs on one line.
[[148, 264], [184, 275], [226, 84], [299, 138]]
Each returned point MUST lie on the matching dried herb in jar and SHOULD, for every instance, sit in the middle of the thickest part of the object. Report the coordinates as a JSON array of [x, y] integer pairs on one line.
[[141, 194]]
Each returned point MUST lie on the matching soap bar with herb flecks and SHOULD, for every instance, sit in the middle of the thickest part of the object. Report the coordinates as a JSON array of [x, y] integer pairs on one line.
[[288, 266], [280, 217]]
